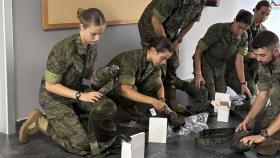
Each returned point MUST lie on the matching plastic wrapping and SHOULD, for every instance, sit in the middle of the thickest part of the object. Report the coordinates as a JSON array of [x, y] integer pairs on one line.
[[236, 99], [131, 124], [193, 125]]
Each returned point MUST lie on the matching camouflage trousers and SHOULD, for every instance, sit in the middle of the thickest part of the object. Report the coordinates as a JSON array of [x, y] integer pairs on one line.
[[67, 129], [213, 84], [200, 96], [263, 120]]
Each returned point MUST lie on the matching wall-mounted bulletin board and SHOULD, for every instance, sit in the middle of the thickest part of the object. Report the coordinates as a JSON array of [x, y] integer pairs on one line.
[[63, 13]]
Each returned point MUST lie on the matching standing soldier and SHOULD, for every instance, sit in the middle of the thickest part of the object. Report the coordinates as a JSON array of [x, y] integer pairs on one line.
[[166, 18], [264, 135], [70, 61], [261, 12], [219, 44]]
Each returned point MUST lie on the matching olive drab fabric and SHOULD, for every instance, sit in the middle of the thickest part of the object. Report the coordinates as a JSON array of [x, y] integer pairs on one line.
[[68, 63], [218, 46]]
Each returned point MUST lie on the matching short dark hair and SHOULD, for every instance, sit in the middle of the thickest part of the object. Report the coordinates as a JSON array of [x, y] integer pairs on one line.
[[266, 39], [262, 3], [90, 16], [244, 16], [161, 44]]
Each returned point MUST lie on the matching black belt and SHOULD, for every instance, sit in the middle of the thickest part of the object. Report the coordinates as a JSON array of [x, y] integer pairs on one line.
[[215, 136]]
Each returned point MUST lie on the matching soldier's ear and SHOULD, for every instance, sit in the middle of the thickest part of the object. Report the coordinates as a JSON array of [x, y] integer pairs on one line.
[[276, 52], [153, 50]]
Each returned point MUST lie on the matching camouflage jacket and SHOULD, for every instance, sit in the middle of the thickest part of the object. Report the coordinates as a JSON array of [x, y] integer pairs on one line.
[[173, 14], [134, 67], [269, 80], [68, 63], [252, 32], [219, 45]]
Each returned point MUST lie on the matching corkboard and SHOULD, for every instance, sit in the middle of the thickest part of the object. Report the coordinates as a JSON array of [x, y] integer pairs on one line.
[[62, 13]]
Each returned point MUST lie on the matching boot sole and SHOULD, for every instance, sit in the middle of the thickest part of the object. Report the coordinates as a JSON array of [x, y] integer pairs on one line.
[[23, 132]]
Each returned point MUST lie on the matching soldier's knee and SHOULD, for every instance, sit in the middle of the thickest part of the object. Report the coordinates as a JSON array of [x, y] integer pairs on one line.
[[107, 109], [78, 144]]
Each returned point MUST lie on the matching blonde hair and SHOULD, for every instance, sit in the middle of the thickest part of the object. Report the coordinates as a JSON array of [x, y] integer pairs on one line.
[[90, 16]]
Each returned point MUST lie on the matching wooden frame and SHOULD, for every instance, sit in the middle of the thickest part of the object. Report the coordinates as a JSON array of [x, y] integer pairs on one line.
[[115, 11]]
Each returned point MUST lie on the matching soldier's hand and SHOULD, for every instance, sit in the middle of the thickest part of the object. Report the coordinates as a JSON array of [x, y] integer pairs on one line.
[[243, 126], [158, 105], [91, 96], [245, 89], [197, 81]]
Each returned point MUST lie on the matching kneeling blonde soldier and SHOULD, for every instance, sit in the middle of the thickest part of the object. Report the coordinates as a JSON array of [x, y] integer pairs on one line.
[[139, 78], [70, 61], [265, 132]]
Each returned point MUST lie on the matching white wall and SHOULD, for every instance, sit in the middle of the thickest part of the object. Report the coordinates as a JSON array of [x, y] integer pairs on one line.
[[226, 12], [7, 106], [32, 44]]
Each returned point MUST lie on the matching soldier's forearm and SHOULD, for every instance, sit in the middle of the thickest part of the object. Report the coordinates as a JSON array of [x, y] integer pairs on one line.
[[160, 92], [239, 65], [158, 27], [61, 90], [184, 30], [274, 126], [128, 92], [197, 61], [259, 104]]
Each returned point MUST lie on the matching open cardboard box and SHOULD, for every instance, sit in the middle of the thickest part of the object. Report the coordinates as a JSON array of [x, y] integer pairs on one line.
[[222, 106]]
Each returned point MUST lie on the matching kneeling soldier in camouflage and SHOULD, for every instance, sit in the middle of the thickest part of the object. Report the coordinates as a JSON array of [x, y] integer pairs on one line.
[[265, 133], [139, 78], [70, 61]]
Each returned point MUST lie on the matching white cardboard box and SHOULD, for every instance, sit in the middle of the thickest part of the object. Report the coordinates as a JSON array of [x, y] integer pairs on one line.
[[157, 130], [223, 111], [134, 148]]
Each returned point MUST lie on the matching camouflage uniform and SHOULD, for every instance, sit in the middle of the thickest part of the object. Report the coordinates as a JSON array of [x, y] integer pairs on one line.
[[173, 14], [136, 71], [218, 46], [68, 63], [250, 65], [269, 78]]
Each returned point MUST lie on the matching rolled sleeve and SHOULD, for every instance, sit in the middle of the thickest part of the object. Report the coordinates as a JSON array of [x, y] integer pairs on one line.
[[163, 9], [127, 79], [243, 50], [52, 77]]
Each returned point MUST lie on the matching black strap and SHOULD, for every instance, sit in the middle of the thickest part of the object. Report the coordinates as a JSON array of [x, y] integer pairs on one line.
[[215, 136]]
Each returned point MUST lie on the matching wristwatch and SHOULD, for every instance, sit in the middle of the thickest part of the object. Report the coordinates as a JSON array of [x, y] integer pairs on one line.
[[244, 82], [161, 98], [264, 133], [78, 95]]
